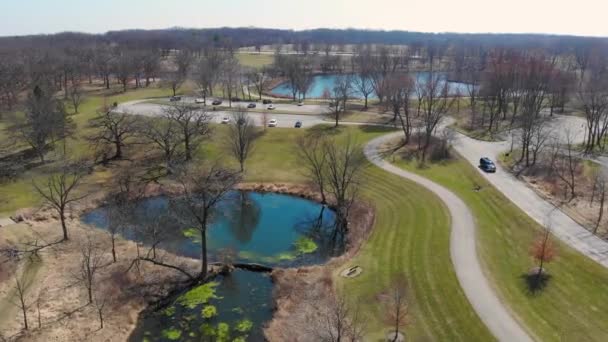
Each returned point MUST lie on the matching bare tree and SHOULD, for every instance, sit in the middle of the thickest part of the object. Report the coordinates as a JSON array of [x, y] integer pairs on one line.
[[124, 64], [339, 95], [76, 95], [45, 121], [165, 136], [100, 302], [12, 81], [364, 82], [177, 75], [241, 137], [566, 165], [193, 123], [260, 79], [338, 321], [91, 261], [345, 163], [113, 129], [435, 103], [203, 189], [151, 65], [21, 303], [231, 73], [208, 70], [59, 191], [311, 150], [397, 306], [533, 93], [600, 184], [398, 93], [593, 96]]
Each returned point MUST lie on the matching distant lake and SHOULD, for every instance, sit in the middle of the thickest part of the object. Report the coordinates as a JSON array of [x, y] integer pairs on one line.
[[322, 82]]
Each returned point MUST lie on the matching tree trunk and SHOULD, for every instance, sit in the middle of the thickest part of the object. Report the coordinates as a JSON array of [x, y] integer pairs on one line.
[[118, 153], [24, 310], [204, 253], [113, 248], [187, 145], [90, 291], [601, 213], [63, 225], [100, 319]]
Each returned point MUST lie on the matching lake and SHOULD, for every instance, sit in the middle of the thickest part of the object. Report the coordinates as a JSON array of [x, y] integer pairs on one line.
[[327, 81]]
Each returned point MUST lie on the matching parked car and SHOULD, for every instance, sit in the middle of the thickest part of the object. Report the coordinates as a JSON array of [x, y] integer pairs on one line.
[[199, 100], [251, 105], [175, 98], [272, 123], [266, 101], [487, 165], [298, 124], [216, 102], [300, 104], [270, 107], [225, 120]]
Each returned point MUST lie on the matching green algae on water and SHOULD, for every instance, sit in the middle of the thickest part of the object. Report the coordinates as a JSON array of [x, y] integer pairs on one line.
[[172, 334], [209, 311], [198, 295], [244, 325], [305, 245]]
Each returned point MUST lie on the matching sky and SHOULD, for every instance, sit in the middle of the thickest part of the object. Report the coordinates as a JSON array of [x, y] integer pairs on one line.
[[573, 17]]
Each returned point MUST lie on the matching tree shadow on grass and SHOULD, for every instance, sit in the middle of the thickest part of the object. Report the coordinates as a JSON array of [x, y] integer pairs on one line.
[[535, 282], [376, 129]]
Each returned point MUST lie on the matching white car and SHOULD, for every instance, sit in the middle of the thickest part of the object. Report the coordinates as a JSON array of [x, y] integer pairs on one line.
[[225, 120], [271, 107], [199, 101], [272, 123], [300, 104]]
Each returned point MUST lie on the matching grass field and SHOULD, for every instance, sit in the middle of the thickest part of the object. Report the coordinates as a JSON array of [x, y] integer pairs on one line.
[[254, 60], [20, 193], [573, 305], [411, 236]]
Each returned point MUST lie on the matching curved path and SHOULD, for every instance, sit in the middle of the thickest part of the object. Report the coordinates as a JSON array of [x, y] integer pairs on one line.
[[463, 251]]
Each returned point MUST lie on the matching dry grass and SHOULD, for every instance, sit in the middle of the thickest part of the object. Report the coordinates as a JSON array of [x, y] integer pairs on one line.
[[64, 313]]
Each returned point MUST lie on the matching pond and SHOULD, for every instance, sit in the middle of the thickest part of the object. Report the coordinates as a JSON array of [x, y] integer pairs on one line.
[[327, 81], [267, 228], [231, 308]]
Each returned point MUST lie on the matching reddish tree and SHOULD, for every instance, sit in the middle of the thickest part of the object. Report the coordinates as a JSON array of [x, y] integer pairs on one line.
[[543, 250]]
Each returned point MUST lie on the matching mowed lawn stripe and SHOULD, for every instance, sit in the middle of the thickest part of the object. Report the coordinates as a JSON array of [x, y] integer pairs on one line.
[[411, 236], [572, 306]]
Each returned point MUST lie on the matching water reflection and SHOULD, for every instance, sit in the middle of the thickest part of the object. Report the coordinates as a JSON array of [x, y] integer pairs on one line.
[[263, 228]]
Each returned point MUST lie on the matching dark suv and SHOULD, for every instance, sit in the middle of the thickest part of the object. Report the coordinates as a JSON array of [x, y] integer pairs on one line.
[[487, 165]]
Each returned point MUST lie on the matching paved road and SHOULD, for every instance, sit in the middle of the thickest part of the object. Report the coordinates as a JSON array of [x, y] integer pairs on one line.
[[463, 252], [543, 212], [284, 120], [292, 108]]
